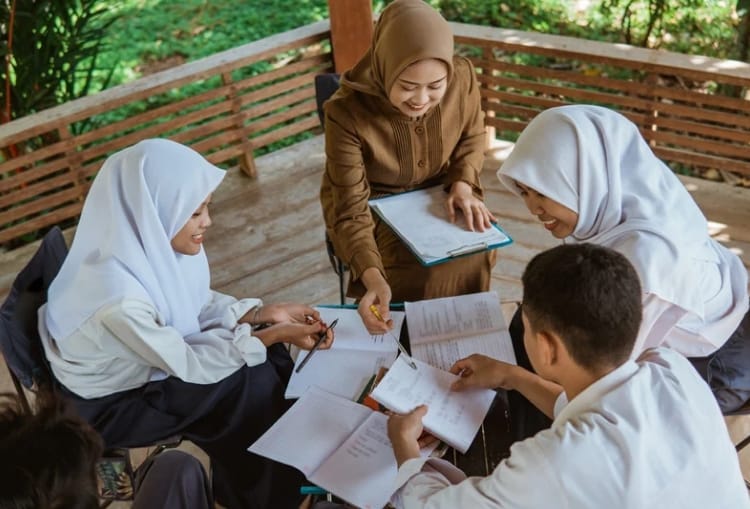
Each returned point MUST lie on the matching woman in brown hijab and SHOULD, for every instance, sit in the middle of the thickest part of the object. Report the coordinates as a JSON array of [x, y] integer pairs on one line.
[[407, 116]]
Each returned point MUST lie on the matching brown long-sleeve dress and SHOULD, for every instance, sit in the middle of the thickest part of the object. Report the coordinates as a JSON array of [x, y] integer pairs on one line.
[[373, 150]]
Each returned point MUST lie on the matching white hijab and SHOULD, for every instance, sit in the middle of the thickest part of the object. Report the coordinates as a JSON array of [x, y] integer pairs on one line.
[[141, 198], [595, 162]]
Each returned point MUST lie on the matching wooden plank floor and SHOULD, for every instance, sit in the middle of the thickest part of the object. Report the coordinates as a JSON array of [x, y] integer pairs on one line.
[[267, 237]]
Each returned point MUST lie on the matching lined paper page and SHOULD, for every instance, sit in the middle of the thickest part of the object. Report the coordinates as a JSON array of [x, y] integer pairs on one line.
[[364, 468], [421, 220], [353, 358], [454, 417], [315, 426], [454, 317], [341, 372], [444, 354], [351, 333], [442, 331]]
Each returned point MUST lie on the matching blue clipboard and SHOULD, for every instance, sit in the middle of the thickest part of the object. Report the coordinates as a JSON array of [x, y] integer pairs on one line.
[[403, 223]]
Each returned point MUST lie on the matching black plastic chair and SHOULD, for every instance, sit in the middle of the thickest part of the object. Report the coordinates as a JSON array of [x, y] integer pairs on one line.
[[22, 348], [325, 86]]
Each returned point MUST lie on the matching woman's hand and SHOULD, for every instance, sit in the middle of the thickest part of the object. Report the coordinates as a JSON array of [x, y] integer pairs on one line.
[[285, 312], [378, 294], [300, 334], [461, 197], [480, 371]]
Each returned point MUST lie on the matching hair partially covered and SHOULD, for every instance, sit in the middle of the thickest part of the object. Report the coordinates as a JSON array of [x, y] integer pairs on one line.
[[590, 296]]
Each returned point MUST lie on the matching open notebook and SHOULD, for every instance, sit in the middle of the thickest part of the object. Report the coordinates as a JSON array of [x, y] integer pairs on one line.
[[338, 444], [420, 219], [442, 331], [351, 361], [453, 417]]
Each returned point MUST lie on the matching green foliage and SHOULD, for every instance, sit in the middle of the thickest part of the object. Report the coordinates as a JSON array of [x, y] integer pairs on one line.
[[149, 35], [54, 52], [68, 48], [685, 26], [547, 16]]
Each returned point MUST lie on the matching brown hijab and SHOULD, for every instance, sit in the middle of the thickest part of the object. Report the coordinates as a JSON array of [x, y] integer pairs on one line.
[[408, 31]]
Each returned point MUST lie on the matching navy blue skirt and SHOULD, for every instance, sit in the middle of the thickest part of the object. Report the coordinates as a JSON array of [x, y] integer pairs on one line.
[[727, 370]]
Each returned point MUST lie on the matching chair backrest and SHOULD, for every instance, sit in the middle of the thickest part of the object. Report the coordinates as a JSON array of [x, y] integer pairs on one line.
[[19, 336], [325, 86]]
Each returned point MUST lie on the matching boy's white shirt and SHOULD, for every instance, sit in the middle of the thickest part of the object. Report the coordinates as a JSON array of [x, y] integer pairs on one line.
[[647, 435]]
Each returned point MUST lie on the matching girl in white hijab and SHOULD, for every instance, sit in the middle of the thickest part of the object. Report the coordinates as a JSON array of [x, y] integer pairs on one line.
[[143, 346], [588, 175]]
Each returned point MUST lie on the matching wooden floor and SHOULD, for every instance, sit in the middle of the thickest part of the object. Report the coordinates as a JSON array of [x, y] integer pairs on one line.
[[267, 237]]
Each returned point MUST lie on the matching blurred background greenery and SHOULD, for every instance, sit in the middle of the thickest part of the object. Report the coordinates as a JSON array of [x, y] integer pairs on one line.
[[54, 51], [57, 50]]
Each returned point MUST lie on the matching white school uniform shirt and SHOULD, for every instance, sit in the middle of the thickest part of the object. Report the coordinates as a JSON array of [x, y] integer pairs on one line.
[[126, 308], [127, 345], [648, 435], [596, 163]]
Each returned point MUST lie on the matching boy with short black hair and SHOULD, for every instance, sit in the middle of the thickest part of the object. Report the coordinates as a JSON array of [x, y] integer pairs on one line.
[[644, 433], [48, 460]]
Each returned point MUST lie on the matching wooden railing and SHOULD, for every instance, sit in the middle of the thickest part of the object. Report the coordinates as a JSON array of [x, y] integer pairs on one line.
[[693, 110], [226, 106], [252, 98]]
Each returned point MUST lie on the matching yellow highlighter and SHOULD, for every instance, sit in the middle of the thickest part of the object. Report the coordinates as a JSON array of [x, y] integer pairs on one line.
[[410, 362]]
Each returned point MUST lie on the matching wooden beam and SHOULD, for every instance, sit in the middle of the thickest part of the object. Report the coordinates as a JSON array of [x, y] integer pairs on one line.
[[351, 31]]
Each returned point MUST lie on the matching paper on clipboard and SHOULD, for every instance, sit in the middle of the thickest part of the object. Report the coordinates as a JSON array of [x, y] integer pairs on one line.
[[419, 218]]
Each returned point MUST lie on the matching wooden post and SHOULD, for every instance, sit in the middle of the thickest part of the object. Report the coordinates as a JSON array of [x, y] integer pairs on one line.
[[351, 31], [489, 56], [651, 119], [247, 162], [75, 161]]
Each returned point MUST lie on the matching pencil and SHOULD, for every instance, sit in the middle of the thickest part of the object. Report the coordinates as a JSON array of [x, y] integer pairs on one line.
[[317, 344], [374, 311]]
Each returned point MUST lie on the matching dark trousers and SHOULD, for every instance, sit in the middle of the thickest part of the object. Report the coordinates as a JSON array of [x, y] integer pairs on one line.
[[727, 370], [223, 419]]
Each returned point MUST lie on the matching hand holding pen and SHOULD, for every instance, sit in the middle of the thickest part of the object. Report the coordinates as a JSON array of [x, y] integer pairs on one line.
[[323, 335], [374, 310], [303, 335], [378, 293]]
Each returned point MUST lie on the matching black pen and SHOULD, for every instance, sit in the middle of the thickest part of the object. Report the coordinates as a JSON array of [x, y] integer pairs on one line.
[[317, 344]]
